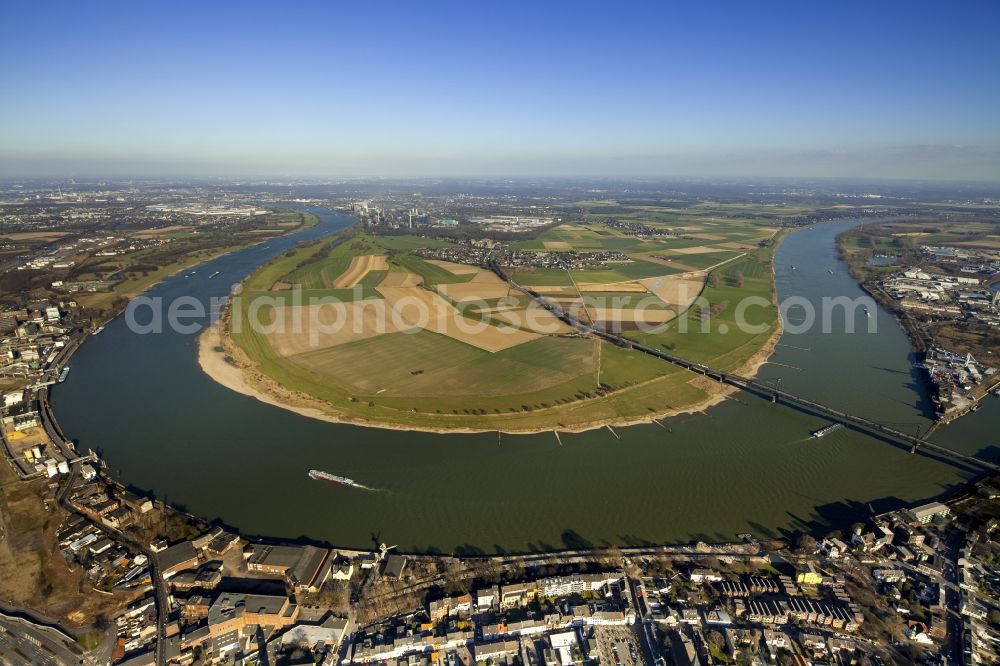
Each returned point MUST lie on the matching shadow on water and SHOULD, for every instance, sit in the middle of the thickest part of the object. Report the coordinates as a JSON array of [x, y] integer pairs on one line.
[[572, 540], [470, 550], [838, 515], [990, 453], [893, 371]]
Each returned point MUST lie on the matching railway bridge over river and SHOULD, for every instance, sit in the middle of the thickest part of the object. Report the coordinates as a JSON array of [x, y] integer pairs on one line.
[[761, 388]]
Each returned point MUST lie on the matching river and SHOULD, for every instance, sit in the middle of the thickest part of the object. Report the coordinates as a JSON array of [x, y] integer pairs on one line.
[[745, 465]]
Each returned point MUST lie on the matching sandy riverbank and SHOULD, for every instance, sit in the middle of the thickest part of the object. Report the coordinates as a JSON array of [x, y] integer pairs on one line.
[[226, 363], [216, 362]]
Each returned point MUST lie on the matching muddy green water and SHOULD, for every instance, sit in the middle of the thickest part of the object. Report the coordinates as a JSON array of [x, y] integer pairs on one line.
[[744, 466]]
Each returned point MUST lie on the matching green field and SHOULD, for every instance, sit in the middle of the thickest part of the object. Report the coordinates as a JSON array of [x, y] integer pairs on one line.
[[543, 277], [587, 239], [372, 279], [264, 277], [409, 242], [705, 259], [424, 364], [716, 339], [428, 380], [326, 263], [552, 382], [318, 275], [432, 275], [633, 270], [626, 300], [303, 296]]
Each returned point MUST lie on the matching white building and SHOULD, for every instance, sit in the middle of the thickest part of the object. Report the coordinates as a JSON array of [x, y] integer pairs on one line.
[[328, 633], [562, 644], [704, 576], [487, 598]]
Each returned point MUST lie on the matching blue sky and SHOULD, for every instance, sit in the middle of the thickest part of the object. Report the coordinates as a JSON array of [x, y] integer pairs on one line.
[[906, 89]]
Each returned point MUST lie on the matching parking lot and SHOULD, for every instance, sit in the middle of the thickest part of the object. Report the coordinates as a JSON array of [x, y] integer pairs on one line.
[[617, 646]]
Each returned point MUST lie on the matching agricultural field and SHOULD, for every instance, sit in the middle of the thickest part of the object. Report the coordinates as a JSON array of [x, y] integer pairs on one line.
[[435, 343]]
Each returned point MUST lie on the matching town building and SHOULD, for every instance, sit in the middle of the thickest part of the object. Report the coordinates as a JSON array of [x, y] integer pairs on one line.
[[925, 513]]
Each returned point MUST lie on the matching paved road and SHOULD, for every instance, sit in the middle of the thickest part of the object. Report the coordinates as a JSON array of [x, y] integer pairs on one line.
[[49, 422], [23, 642], [51, 427], [644, 624], [159, 586], [953, 596]]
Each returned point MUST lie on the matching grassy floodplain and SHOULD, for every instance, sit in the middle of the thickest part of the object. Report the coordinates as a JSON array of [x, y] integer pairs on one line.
[[188, 247], [435, 379]]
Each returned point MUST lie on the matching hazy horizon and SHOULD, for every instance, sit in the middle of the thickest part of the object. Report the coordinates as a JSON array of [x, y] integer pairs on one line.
[[895, 91]]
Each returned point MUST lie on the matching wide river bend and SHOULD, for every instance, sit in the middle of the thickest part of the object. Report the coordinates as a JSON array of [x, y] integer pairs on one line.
[[746, 465]]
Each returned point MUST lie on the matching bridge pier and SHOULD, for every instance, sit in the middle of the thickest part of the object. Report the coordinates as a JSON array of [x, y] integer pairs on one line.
[[774, 398]]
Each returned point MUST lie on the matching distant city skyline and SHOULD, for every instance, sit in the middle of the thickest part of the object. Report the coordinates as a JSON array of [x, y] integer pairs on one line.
[[892, 90]]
